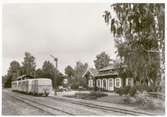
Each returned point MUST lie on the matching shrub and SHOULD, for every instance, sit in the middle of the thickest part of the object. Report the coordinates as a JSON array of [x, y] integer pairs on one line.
[[127, 100], [91, 95], [119, 91], [97, 94], [152, 88], [143, 99], [75, 86], [81, 95], [142, 88], [132, 91], [127, 90]]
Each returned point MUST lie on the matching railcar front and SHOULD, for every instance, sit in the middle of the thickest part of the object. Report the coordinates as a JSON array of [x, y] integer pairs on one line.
[[14, 86], [41, 86]]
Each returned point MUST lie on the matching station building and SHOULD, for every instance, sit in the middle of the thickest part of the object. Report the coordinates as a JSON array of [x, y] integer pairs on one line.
[[106, 79]]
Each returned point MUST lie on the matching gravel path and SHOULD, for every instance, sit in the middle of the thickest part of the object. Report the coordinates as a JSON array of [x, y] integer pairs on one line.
[[12, 106]]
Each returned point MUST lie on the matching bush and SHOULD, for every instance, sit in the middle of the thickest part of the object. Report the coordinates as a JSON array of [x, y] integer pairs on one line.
[[132, 91], [142, 88], [127, 90], [75, 86], [91, 95], [97, 94], [152, 88], [145, 101], [127, 100], [81, 95], [119, 91]]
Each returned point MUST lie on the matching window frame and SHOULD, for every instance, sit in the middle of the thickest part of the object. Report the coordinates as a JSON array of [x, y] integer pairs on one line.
[[117, 81]]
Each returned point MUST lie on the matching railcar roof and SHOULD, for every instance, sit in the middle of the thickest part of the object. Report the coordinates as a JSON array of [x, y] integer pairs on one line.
[[43, 78], [24, 76]]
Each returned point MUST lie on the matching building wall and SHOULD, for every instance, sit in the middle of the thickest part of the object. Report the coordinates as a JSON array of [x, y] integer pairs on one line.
[[107, 84]]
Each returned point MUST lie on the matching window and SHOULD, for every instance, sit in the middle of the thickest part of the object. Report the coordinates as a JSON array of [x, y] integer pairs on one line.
[[100, 85], [110, 82], [129, 81], [90, 83], [118, 82]]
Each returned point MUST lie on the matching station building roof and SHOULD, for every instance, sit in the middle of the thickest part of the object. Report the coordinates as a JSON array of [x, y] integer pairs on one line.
[[111, 67], [108, 71]]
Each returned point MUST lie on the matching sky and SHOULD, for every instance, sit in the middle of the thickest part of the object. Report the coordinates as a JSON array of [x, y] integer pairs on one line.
[[69, 31]]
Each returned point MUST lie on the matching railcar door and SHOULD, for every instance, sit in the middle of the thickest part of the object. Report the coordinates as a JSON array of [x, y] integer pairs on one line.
[[26, 86], [36, 86]]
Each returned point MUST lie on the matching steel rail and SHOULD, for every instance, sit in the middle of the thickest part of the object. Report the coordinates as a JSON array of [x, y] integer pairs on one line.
[[23, 99], [107, 108], [30, 104]]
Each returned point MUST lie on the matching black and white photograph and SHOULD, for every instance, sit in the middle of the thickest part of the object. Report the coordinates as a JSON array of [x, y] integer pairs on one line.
[[83, 59]]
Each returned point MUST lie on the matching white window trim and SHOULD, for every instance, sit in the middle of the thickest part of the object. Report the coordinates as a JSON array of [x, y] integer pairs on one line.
[[118, 80], [111, 87], [90, 83]]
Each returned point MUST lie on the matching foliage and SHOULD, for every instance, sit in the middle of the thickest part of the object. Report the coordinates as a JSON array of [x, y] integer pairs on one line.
[[58, 80], [49, 71], [90, 96], [39, 73], [132, 92], [75, 79], [127, 91], [147, 88], [102, 60], [144, 100], [139, 36], [13, 73], [69, 71], [4, 78], [98, 94], [119, 91], [28, 64], [80, 68], [8, 81]]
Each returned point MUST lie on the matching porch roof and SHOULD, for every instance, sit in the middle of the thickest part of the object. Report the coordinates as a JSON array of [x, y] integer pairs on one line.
[[106, 75]]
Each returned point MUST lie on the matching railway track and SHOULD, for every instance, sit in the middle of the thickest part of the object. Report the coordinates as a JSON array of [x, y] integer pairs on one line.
[[51, 110], [106, 108]]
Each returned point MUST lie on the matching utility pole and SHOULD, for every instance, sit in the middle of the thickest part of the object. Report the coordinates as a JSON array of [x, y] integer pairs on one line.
[[55, 59]]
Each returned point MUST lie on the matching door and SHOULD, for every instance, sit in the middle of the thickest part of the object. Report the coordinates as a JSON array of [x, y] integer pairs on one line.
[[36, 86], [111, 84]]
